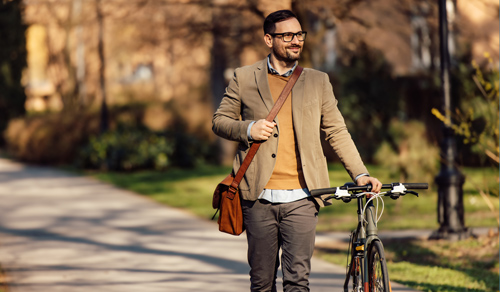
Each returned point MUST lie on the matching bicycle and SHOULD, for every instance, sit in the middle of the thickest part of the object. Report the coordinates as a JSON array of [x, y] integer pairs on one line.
[[367, 266]]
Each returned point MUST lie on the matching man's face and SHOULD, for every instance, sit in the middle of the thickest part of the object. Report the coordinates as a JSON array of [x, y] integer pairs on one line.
[[286, 51]]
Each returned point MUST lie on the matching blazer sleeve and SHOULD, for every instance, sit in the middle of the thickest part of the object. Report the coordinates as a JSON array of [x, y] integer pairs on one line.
[[337, 135], [226, 121]]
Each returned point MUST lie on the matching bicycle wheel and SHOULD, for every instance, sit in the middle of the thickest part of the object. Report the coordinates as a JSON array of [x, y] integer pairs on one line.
[[378, 277]]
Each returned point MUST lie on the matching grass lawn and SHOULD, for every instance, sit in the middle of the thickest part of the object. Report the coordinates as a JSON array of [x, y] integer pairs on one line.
[[437, 265], [192, 190], [469, 265]]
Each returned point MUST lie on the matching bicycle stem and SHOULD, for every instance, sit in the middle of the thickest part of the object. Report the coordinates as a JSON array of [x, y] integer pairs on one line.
[[361, 218]]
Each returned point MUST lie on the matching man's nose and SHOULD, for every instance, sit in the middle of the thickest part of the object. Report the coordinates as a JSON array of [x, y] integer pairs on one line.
[[295, 39]]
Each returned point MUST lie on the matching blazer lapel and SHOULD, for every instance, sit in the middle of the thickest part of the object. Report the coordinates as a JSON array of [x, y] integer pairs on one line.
[[263, 85], [297, 102]]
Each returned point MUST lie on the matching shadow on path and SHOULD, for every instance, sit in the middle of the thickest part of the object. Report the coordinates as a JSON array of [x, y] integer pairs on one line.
[[63, 232]]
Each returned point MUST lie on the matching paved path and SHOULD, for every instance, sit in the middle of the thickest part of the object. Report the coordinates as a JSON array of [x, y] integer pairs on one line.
[[65, 233]]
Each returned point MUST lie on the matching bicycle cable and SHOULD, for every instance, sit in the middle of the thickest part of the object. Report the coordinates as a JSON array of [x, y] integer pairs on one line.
[[377, 197]]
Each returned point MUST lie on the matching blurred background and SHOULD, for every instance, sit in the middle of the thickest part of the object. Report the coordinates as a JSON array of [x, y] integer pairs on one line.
[[131, 85], [157, 69], [79, 77], [125, 90]]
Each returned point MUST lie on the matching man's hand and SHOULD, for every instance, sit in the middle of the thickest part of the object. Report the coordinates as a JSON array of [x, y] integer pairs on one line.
[[262, 130], [376, 184]]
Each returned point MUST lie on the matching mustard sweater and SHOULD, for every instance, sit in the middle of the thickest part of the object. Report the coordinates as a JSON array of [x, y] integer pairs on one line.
[[287, 173]]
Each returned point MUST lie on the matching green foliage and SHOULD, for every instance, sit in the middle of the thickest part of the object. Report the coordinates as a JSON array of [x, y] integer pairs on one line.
[[127, 149], [190, 150], [408, 153], [476, 120], [370, 97], [71, 138], [12, 61], [367, 104]]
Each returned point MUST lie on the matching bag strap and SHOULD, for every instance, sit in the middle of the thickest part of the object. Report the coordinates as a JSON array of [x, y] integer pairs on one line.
[[272, 114]]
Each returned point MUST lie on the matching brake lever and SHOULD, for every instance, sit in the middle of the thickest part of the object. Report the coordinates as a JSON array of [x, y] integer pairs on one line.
[[412, 192]]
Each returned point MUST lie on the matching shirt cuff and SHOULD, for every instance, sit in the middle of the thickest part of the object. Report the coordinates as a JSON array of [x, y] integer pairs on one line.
[[249, 135], [360, 175]]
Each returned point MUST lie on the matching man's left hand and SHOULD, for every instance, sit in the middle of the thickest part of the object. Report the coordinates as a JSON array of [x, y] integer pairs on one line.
[[376, 184]]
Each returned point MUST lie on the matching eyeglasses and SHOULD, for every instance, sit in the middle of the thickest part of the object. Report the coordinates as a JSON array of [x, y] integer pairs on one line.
[[288, 36]]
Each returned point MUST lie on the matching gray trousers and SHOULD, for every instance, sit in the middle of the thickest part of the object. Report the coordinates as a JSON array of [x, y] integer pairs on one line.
[[289, 226]]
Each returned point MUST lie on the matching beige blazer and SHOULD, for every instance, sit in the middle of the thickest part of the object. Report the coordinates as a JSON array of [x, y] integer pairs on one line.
[[314, 108]]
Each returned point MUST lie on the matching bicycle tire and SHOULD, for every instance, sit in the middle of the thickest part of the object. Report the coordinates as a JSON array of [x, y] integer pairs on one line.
[[378, 276]]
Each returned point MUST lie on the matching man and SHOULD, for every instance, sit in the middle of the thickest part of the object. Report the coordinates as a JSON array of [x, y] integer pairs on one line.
[[278, 211]]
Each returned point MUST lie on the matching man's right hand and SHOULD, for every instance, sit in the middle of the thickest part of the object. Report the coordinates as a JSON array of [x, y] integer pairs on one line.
[[262, 130]]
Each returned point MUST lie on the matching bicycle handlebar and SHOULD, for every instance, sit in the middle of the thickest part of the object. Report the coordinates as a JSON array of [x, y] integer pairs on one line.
[[416, 186], [368, 187]]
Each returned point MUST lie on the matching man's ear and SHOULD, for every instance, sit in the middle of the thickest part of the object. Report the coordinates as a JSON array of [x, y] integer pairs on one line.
[[268, 39]]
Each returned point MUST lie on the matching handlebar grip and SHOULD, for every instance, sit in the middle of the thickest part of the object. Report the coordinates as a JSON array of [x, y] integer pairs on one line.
[[415, 186], [326, 191]]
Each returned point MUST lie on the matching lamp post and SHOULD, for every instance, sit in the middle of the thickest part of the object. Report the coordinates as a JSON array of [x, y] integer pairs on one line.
[[449, 180]]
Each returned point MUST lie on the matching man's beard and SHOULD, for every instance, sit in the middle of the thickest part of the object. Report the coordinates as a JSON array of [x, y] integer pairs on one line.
[[293, 57], [289, 56]]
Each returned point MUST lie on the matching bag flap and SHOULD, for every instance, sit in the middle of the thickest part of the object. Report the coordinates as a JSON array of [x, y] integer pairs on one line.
[[221, 187]]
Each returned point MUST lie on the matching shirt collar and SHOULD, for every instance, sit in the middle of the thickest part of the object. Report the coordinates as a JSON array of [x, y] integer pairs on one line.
[[274, 72]]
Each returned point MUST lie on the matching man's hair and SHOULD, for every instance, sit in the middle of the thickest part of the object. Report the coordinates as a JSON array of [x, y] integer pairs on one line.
[[275, 17]]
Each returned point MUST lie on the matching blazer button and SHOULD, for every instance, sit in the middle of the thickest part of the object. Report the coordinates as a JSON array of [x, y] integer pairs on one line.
[[275, 135], [273, 156]]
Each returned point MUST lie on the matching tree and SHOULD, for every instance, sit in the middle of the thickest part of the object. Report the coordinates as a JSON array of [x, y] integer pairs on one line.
[[12, 62], [477, 119]]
